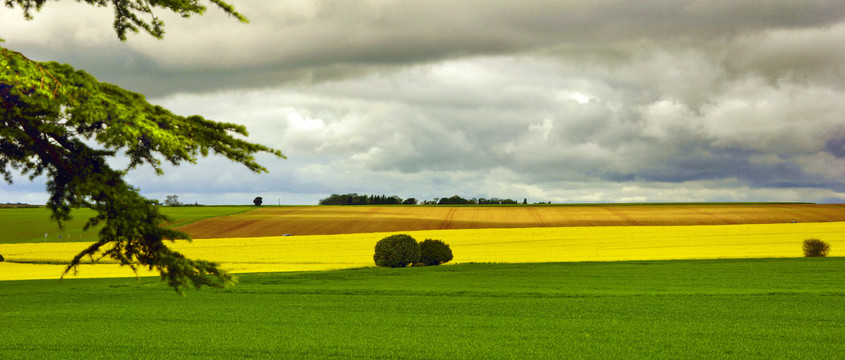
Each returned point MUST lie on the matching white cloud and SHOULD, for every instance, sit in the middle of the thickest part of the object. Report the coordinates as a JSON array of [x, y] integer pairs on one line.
[[561, 101], [785, 118]]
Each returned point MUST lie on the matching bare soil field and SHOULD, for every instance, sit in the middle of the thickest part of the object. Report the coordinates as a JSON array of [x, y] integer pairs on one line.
[[327, 220]]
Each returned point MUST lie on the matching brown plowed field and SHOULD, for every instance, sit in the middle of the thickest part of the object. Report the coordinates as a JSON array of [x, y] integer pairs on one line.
[[324, 220]]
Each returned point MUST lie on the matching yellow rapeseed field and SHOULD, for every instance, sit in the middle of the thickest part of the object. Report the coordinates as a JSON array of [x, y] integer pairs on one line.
[[324, 252]]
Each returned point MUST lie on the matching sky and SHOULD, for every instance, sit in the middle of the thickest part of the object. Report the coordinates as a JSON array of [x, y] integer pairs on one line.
[[561, 101]]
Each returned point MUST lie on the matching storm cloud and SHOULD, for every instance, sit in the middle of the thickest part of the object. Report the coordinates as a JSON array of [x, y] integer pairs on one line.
[[546, 100]]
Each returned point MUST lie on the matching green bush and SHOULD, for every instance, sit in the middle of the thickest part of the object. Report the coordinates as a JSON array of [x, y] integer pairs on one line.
[[396, 251], [434, 252], [815, 248]]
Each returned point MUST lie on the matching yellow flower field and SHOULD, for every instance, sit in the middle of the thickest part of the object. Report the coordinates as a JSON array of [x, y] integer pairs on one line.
[[324, 252]]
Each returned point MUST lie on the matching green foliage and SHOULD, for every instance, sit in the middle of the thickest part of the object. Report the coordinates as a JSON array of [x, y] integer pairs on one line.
[[815, 248], [130, 15], [258, 201], [355, 199], [172, 200], [457, 200], [398, 250], [51, 113], [454, 200], [434, 252]]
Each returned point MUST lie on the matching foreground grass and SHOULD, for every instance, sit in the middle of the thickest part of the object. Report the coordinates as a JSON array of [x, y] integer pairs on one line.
[[770, 308], [28, 225]]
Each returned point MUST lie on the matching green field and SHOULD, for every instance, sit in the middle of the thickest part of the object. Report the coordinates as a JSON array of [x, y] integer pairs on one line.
[[767, 309], [28, 225]]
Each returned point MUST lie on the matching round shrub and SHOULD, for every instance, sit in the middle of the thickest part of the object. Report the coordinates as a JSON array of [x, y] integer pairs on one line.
[[434, 252], [396, 251], [815, 248]]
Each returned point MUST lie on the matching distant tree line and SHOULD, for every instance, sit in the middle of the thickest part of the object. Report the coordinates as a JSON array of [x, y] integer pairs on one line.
[[173, 200], [18, 205], [355, 199], [457, 200]]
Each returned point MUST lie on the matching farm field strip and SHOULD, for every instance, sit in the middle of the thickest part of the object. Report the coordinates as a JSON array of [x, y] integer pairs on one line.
[[514, 245], [326, 220], [22, 225]]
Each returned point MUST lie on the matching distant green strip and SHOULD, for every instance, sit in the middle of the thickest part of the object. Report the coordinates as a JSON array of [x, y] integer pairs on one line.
[[29, 225]]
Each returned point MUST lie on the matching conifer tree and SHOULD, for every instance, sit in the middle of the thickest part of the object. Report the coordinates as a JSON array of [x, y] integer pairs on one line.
[[61, 122]]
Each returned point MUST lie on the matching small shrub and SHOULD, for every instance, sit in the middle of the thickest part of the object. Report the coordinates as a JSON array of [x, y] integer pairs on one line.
[[815, 248], [2, 259], [396, 251], [434, 252]]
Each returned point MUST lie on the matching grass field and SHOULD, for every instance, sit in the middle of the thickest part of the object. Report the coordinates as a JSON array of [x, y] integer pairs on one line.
[[28, 225], [765, 309], [324, 220], [530, 286]]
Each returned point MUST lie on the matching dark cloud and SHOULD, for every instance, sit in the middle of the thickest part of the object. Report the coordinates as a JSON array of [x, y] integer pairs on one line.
[[836, 145], [722, 164], [319, 40], [550, 100]]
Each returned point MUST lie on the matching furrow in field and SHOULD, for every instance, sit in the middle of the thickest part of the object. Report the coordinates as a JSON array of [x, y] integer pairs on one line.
[[326, 220], [622, 215], [447, 222]]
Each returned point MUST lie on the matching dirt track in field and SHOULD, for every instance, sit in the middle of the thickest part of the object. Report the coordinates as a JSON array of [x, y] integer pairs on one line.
[[325, 220]]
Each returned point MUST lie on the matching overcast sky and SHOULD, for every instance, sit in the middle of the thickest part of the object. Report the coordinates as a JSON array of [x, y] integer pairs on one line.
[[562, 101]]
